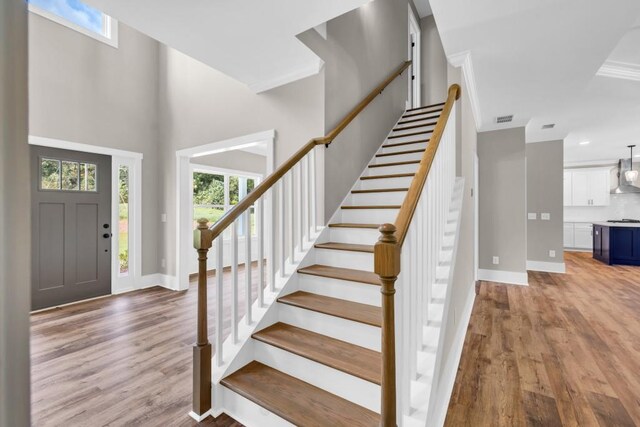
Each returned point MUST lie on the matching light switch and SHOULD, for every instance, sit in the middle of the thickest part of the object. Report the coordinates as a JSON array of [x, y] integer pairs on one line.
[[496, 260], [545, 216], [552, 254], [163, 217], [532, 215]]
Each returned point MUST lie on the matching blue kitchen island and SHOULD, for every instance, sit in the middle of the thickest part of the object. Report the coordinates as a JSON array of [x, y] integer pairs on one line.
[[616, 243]]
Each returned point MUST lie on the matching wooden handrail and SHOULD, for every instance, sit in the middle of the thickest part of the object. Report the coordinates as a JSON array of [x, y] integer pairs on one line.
[[408, 208], [227, 219]]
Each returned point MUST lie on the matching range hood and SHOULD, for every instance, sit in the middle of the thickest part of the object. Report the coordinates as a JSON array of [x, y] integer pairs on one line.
[[624, 186]]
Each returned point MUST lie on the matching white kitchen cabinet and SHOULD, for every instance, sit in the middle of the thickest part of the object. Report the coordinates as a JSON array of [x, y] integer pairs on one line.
[[588, 187], [582, 236], [568, 196], [568, 235]]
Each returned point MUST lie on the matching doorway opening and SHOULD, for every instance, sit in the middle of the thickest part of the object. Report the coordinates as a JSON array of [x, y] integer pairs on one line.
[[414, 99], [228, 169], [95, 195]]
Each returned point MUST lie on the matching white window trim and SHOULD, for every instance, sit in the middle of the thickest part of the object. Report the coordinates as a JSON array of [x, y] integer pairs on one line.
[[111, 26], [133, 280]]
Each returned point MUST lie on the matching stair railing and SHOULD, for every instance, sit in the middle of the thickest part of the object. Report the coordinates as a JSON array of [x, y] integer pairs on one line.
[[413, 243], [290, 195]]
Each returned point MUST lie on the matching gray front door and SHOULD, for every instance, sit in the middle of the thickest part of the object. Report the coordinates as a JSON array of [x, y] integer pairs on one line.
[[71, 226]]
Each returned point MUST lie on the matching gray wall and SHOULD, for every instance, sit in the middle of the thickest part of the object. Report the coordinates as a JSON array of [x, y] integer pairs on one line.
[[84, 91], [434, 63], [236, 159], [199, 105], [502, 196], [545, 177], [15, 226], [362, 48]]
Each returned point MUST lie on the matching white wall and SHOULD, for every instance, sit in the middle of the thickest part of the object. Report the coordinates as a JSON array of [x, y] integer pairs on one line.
[[15, 218], [434, 63]]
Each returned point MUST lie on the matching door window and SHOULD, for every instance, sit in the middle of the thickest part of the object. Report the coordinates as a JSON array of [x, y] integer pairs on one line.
[[64, 175]]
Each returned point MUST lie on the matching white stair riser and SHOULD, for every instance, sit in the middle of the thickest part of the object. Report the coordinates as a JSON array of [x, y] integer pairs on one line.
[[351, 291], [360, 236], [356, 390], [344, 259], [369, 216], [398, 157], [372, 184], [400, 148], [248, 413], [384, 198], [331, 326], [386, 170]]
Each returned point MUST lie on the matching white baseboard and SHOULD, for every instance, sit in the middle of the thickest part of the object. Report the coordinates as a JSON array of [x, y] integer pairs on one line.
[[549, 267], [500, 276], [158, 279], [199, 418], [448, 376]]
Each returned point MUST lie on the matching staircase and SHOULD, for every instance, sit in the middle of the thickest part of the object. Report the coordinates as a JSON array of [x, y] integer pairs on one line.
[[346, 327], [320, 362]]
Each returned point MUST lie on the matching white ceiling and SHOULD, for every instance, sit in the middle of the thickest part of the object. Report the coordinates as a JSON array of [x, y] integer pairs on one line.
[[252, 41], [538, 61]]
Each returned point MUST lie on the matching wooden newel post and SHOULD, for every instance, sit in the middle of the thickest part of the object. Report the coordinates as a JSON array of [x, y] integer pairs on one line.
[[202, 349], [387, 266]]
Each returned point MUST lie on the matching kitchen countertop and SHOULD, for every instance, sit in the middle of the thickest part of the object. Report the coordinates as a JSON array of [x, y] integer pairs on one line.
[[617, 224]]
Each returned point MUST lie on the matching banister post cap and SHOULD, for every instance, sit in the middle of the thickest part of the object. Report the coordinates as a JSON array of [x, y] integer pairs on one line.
[[387, 232], [203, 223], [202, 235]]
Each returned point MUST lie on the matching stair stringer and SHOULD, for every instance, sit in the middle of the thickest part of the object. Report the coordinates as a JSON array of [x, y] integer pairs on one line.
[[430, 356]]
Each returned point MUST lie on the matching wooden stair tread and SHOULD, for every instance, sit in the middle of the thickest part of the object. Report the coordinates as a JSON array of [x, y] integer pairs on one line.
[[408, 162], [398, 153], [379, 190], [423, 113], [296, 401], [353, 225], [357, 312], [410, 134], [436, 116], [426, 106], [351, 247], [343, 356], [393, 175], [339, 273], [371, 207], [399, 144], [414, 126]]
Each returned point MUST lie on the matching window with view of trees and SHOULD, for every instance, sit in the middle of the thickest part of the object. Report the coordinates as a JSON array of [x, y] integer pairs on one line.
[[65, 175], [214, 194]]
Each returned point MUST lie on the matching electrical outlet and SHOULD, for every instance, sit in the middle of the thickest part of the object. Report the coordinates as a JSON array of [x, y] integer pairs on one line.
[[552, 254], [532, 215], [496, 260], [163, 263], [545, 216]]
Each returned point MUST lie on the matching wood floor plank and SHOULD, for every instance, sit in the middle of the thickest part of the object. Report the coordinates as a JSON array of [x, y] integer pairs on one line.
[[562, 351]]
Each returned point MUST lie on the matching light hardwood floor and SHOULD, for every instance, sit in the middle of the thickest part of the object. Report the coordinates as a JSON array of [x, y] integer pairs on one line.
[[121, 361], [564, 351]]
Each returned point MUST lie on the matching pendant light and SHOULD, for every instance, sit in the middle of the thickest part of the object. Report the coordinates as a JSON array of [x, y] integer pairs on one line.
[[631, 175]]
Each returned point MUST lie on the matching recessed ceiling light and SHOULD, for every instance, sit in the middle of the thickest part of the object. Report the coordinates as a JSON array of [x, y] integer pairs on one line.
[[637, 155], [585, 142]]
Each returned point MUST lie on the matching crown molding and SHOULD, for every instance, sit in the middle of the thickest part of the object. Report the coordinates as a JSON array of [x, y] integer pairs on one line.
[[463, 60], [620, 70]]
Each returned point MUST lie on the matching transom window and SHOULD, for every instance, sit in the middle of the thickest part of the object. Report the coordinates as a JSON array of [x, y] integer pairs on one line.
[[78, 16], [63, 175]]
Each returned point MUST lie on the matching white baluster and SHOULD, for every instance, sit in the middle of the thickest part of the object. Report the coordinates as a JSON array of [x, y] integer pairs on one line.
[[300, 204], [271, 233], [312, 191], [247, 266], [291, 218], [281, 229], [219, 297], [259, 214], [234, 282], [308, 226]]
